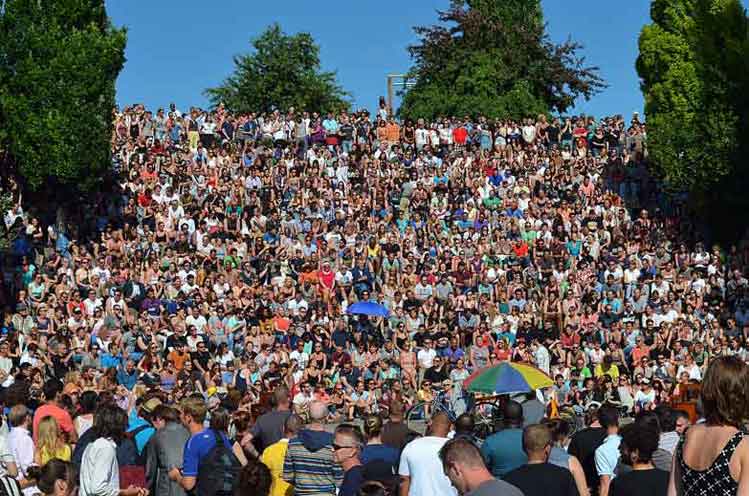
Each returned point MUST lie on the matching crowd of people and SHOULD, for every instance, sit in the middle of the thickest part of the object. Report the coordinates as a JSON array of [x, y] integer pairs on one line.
[[212, 280]]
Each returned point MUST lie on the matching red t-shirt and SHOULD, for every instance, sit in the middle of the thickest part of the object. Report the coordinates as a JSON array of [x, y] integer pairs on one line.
[[61, 416]]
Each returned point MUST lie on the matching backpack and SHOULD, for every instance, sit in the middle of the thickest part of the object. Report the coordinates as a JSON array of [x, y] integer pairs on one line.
[[132, 464], [218, 472]]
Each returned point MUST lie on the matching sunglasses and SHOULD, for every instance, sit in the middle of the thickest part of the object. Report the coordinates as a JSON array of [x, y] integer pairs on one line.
[[337, 447]]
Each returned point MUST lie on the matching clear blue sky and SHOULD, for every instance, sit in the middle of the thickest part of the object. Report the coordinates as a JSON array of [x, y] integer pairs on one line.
[[178, 48]]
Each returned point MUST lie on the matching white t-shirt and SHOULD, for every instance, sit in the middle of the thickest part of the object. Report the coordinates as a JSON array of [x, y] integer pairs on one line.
[[426, 356], [421, 462]]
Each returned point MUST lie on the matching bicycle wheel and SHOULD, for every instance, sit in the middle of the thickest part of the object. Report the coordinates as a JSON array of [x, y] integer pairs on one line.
[[416, 417], [486, 414]]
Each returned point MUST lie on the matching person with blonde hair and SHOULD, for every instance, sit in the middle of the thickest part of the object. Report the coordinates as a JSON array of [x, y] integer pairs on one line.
[[50, 443]]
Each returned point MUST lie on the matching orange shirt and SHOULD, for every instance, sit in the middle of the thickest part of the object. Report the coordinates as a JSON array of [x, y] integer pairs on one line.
[[392, 132], [178, 359], [61, 416]]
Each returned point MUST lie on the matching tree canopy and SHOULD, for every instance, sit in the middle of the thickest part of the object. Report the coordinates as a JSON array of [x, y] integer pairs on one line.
[[494, 58], [693, 65], [58, 66], [282, 71]]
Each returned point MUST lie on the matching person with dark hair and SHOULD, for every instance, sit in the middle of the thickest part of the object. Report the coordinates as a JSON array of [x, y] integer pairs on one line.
[[669, 438], [464, 466], [268, 428], [57, 478], [465, 427], [681, 421], [52, 391], [559, 456], [85, 418], [607, 454], [503, 450], [375, 449], [713, 457], [165, 450], [254, 478], [583, 446], [100, 472], [638, 444], [538, 477], [273, 456], [348, 443], [660, 458]]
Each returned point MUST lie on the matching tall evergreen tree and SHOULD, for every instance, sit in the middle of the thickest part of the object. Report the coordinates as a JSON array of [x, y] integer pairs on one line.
[[495, 58]]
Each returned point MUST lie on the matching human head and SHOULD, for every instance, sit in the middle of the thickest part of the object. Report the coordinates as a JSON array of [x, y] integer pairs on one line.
[[513, 413], [293, 424], [254, 478], [194, 411], [639, 442], [56, 478], [681, 421], [666, 418], [52, 389], [460, 459], [464, 425], [110, 421], [725, 391], [440, 424], [281, 397], [348, 442], [372, 426], [537, 441], [318, 411], [88, 401], [19, 415], [220, 420], [608, 417], [48, 433]]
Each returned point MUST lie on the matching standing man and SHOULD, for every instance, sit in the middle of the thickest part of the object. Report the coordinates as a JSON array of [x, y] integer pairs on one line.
[[164, 451], [269, 426], [463, 464], [583, 446], [273, 457], [607, 454], [52, 390], [20, 443], [347, 448], [395, 432], [420, 467], [538, 477], [309, 465], [503, 451]]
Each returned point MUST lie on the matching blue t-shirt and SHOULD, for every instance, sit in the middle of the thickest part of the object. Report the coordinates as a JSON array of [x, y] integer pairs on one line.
[[197, 447], [387, 454], [503, 451]]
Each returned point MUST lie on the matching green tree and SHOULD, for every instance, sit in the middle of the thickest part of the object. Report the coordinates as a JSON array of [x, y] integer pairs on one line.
[[58, 64], [282, 71], [495, 58], [689, 68]]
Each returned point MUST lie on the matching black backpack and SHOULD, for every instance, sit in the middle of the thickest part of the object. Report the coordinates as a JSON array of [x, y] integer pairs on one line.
[[218, 472]]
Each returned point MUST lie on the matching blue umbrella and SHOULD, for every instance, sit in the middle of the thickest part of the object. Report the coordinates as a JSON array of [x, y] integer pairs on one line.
[[368, 308]]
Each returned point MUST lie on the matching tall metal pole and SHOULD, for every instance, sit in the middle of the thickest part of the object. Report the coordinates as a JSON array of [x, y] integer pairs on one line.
[[390, 94]]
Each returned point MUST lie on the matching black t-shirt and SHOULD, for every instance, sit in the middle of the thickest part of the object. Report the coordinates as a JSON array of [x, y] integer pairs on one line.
[[269, 428], [542, 479], [641, 482], [583, 447], [352, 481]]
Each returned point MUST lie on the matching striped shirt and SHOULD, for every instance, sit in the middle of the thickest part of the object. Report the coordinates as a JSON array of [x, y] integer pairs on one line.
[[312, 473]]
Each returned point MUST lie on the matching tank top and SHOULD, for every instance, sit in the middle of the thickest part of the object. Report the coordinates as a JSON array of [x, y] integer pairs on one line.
[[716, 480]]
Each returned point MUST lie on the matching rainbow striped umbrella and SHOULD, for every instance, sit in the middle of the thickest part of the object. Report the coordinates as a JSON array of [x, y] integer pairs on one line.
[[507, 378]]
